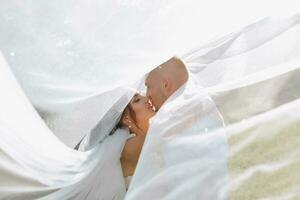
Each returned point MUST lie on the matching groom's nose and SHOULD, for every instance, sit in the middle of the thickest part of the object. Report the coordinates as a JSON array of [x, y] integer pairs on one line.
[[149, 98], [148, 94]]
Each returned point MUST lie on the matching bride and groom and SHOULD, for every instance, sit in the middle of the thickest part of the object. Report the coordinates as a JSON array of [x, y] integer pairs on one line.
[[161, 83]]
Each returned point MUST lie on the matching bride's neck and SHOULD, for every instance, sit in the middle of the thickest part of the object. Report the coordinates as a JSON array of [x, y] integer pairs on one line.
[[143, 127]]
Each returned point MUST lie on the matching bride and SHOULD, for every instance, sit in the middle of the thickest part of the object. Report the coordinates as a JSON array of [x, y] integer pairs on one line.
[[136, 118], [164, 81]]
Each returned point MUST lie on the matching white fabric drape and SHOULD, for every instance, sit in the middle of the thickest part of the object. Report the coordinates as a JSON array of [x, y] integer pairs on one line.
[[36, 164], [252, 78], [247, 81]]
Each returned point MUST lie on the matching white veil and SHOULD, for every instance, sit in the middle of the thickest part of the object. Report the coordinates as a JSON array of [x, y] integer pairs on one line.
[[252, 76], [35, 164], [258, 151]]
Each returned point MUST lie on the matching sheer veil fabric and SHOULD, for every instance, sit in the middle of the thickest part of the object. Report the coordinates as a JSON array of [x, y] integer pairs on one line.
[[35, 164], [248, 80], [232, 132]]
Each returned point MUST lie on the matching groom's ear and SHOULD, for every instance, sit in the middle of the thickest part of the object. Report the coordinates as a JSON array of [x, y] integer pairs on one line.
[[167, 85]]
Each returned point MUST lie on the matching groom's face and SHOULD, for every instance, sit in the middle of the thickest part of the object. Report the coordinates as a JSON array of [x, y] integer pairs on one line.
[[155, 89]]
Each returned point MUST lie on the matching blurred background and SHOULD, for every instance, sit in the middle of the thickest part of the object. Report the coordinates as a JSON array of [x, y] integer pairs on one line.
[[62, 49]]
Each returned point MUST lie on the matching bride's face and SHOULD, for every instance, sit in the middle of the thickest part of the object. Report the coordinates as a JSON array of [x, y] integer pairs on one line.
[[141, 107], [140, 111]]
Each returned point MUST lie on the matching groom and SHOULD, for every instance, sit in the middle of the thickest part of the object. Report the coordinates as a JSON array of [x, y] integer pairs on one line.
[[164, 80]]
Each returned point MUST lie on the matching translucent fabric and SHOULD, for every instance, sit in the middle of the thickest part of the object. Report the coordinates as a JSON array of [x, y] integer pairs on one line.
[[35, 164], [232, 132], [252, 78]]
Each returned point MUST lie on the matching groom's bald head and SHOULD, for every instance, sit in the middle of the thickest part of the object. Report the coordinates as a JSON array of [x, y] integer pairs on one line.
[[164, 80]]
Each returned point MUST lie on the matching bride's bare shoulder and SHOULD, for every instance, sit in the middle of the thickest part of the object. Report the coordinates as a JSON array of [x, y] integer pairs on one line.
[[133, 146]]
